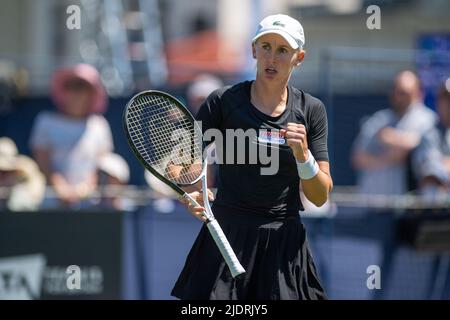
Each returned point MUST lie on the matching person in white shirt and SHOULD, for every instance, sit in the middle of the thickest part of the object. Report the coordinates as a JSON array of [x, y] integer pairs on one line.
[[382, 148], [67, 144]]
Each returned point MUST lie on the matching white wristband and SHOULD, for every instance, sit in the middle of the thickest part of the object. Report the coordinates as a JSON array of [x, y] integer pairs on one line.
[[308, 169]]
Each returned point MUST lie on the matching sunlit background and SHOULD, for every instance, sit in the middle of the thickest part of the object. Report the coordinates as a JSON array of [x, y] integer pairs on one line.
[[136, 250]]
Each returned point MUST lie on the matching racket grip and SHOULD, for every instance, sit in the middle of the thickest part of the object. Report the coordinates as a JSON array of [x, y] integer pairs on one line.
[[225, 249]]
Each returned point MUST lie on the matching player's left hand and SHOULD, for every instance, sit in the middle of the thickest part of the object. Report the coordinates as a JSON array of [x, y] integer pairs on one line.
[[296, 138]]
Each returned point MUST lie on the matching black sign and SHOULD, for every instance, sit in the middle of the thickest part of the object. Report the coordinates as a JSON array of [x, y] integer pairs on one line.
[[60, 255]]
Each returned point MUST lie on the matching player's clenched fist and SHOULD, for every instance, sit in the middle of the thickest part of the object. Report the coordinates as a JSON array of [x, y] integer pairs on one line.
[[296, 138]]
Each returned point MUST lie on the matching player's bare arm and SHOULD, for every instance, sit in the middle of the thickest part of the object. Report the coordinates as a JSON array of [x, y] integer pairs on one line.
[[317, 188]]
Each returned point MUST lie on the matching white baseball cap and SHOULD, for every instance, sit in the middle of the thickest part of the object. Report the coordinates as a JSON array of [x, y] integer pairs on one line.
[[203, 85], [284, 25], [115, 166]]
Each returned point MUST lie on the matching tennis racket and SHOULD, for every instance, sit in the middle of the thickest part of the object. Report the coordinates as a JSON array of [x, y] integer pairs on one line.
[[168, 142]]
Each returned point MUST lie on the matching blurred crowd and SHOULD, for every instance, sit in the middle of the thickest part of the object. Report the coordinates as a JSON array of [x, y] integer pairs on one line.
[[73, 163], [404, 148], [72, 150]]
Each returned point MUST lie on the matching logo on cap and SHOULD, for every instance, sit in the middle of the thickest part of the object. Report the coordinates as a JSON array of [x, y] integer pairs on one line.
[[278, 23]]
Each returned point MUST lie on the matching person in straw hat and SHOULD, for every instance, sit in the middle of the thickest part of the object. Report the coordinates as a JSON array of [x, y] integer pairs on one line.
[[68, 143], [22, 185]]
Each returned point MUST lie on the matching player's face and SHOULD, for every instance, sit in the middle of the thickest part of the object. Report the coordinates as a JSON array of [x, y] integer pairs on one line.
[[405, 92], [78, 101], [275, 58]]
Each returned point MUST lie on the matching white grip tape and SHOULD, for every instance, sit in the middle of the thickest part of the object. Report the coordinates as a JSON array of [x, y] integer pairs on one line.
[[221, 241], [225, 248]]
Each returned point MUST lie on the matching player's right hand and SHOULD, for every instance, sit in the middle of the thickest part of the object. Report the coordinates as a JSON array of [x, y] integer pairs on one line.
[[197, 211]]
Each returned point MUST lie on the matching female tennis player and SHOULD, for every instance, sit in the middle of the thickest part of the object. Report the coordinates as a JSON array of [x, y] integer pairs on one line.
[[259, 213]]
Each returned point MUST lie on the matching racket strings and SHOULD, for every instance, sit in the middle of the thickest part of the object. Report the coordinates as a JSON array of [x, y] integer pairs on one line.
[[166, 138]]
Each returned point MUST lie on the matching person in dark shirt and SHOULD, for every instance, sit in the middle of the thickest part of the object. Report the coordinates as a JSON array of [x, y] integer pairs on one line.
[[258, 201], [431, 159]]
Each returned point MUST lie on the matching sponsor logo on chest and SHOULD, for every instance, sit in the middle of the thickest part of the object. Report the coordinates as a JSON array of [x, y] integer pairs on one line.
[[273, 136]]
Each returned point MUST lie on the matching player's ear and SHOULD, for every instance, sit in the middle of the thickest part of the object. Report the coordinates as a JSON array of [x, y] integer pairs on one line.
[[300, 56]]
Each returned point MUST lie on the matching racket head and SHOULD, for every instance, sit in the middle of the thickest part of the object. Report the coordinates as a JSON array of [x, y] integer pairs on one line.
[[165, 138]]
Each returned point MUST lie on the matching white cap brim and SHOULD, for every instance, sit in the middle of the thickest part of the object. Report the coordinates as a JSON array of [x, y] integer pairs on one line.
[[285, 35], [159, 186]]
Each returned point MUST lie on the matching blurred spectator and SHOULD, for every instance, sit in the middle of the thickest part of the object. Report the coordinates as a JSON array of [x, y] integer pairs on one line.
[[160, 188], [381, 151], [164, 195], [113, 174], [197, 92], [432, 157], [200, 89], [67, 144], [22, 184], [7, 86]]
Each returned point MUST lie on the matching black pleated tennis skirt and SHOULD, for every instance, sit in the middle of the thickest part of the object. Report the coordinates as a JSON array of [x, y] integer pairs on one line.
[[274, 253]]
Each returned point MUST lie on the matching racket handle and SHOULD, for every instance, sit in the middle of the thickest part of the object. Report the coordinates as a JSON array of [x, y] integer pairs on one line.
[[220, 239], [225, 249]]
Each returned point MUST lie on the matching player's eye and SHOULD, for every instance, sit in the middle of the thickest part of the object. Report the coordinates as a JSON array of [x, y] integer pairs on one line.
[[283, 50], [265, 46]]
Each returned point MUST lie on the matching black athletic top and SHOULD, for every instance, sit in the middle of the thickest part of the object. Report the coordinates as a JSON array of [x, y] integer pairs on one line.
[[241, 185]]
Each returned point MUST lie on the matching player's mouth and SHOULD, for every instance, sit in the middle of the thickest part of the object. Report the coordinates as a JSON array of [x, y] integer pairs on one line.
[[271, 72]]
